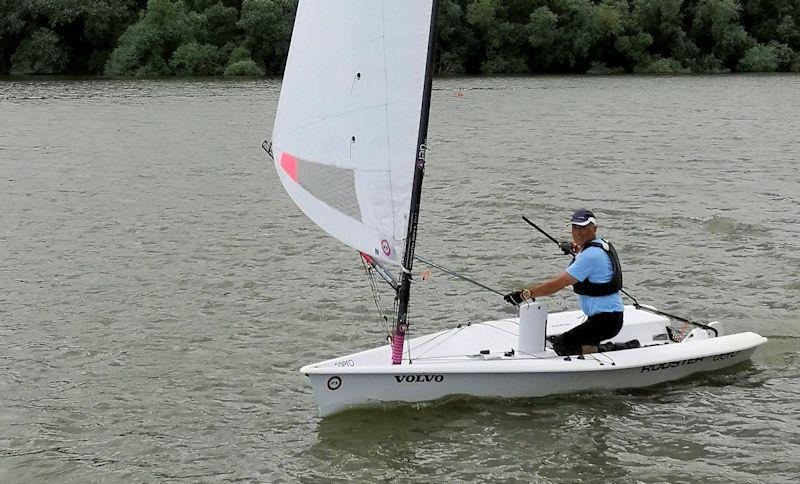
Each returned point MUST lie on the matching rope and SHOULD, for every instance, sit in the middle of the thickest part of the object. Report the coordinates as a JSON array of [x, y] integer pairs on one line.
[[456, 274], [604, 355], [373, 284], [451, 333]]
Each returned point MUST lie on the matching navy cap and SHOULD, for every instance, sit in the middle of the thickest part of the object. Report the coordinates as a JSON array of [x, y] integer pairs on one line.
[[583, 217]]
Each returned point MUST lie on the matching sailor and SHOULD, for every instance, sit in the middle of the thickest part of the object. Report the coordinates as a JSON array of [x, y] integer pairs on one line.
[[596, 277]]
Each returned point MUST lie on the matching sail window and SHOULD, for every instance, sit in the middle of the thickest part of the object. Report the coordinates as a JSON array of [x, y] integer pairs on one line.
[[332, 185]]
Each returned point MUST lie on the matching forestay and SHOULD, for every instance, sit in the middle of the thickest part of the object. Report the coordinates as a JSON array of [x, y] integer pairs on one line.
[[345, 135]]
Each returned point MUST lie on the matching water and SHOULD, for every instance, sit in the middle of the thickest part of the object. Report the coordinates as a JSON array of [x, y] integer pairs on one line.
[[160, 291]]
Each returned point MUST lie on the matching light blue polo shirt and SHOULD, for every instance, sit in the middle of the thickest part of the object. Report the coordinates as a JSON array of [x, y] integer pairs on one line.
[[594, 264]]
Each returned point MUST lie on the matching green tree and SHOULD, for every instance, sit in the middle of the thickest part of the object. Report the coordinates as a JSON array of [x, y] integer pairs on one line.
[[759, 58], [41, 53], [243, 68], [267, 26], [586, 32], [194, 59], [544, 38], [12, 28], [86, 30], [767, 58], [772, 20], [715, 30], [147, 46], [612, 20], [482, 14], [96, 30], [633, 47], [662, 66], [662, 20], [788, 32], [458, 50], [218, 25], [241, 64]]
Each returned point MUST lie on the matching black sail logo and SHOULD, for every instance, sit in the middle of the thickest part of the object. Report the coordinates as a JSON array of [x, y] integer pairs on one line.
[[419, 378]]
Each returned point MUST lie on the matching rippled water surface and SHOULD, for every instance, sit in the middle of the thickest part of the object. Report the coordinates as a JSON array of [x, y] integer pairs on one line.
[[159, 291]]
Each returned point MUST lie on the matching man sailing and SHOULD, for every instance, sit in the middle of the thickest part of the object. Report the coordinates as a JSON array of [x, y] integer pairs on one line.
[[596, 276]]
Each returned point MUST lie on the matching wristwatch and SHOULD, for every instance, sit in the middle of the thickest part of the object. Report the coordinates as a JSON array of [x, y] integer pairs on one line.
[[526, 293]]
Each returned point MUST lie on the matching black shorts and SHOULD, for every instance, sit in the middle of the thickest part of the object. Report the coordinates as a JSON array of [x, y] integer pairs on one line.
[[596, 328]]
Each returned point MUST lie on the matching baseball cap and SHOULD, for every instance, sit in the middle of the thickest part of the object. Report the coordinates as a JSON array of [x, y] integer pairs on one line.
[[583, 217]]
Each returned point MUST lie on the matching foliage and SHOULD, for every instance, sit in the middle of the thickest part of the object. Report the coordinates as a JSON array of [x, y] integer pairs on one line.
[[766, 58], [241, 64], [195, 59], [457, 48], [662, 66], [41, 53], [218, 25], [239, 54], [267, 26], [146, 47], [600, 69], [759, 58], [243, 68], [715, 30], [768, 20], [251, 37], [87, 31]]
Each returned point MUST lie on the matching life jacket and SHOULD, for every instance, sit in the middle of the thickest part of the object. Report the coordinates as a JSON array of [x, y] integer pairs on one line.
[[586, 288]]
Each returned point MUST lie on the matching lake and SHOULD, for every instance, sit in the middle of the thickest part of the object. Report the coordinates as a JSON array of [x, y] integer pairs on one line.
[[160, 291]]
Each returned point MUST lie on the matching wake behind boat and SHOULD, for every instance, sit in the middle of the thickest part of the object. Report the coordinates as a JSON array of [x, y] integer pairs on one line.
[[349, 146]]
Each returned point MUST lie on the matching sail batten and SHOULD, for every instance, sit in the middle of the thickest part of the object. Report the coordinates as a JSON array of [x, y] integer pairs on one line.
[[345, 134]]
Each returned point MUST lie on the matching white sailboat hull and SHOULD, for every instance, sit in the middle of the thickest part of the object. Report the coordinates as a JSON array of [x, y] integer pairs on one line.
[[451, 363]]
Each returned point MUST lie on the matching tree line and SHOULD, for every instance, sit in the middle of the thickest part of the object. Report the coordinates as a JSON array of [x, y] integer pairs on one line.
[[251, 37]]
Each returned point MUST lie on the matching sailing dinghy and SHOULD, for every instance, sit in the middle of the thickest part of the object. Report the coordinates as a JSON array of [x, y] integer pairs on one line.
[[349, 147]]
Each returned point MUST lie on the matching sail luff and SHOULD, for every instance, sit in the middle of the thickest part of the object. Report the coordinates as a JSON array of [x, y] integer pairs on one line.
[[398, 337]]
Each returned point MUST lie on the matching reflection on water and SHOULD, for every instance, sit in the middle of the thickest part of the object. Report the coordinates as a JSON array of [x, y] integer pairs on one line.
[[592, 434]]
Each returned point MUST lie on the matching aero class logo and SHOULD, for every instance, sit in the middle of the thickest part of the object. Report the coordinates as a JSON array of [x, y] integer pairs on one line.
[[385, 247], [334, 383]]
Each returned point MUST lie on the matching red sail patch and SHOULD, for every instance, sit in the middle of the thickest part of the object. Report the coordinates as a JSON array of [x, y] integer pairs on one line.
[[289, 165]]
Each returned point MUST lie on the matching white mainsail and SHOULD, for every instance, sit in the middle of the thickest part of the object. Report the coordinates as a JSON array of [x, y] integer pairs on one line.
[[346, 131]]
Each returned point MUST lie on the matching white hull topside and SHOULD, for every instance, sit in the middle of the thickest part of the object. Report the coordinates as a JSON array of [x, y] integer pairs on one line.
[[477, 360]]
